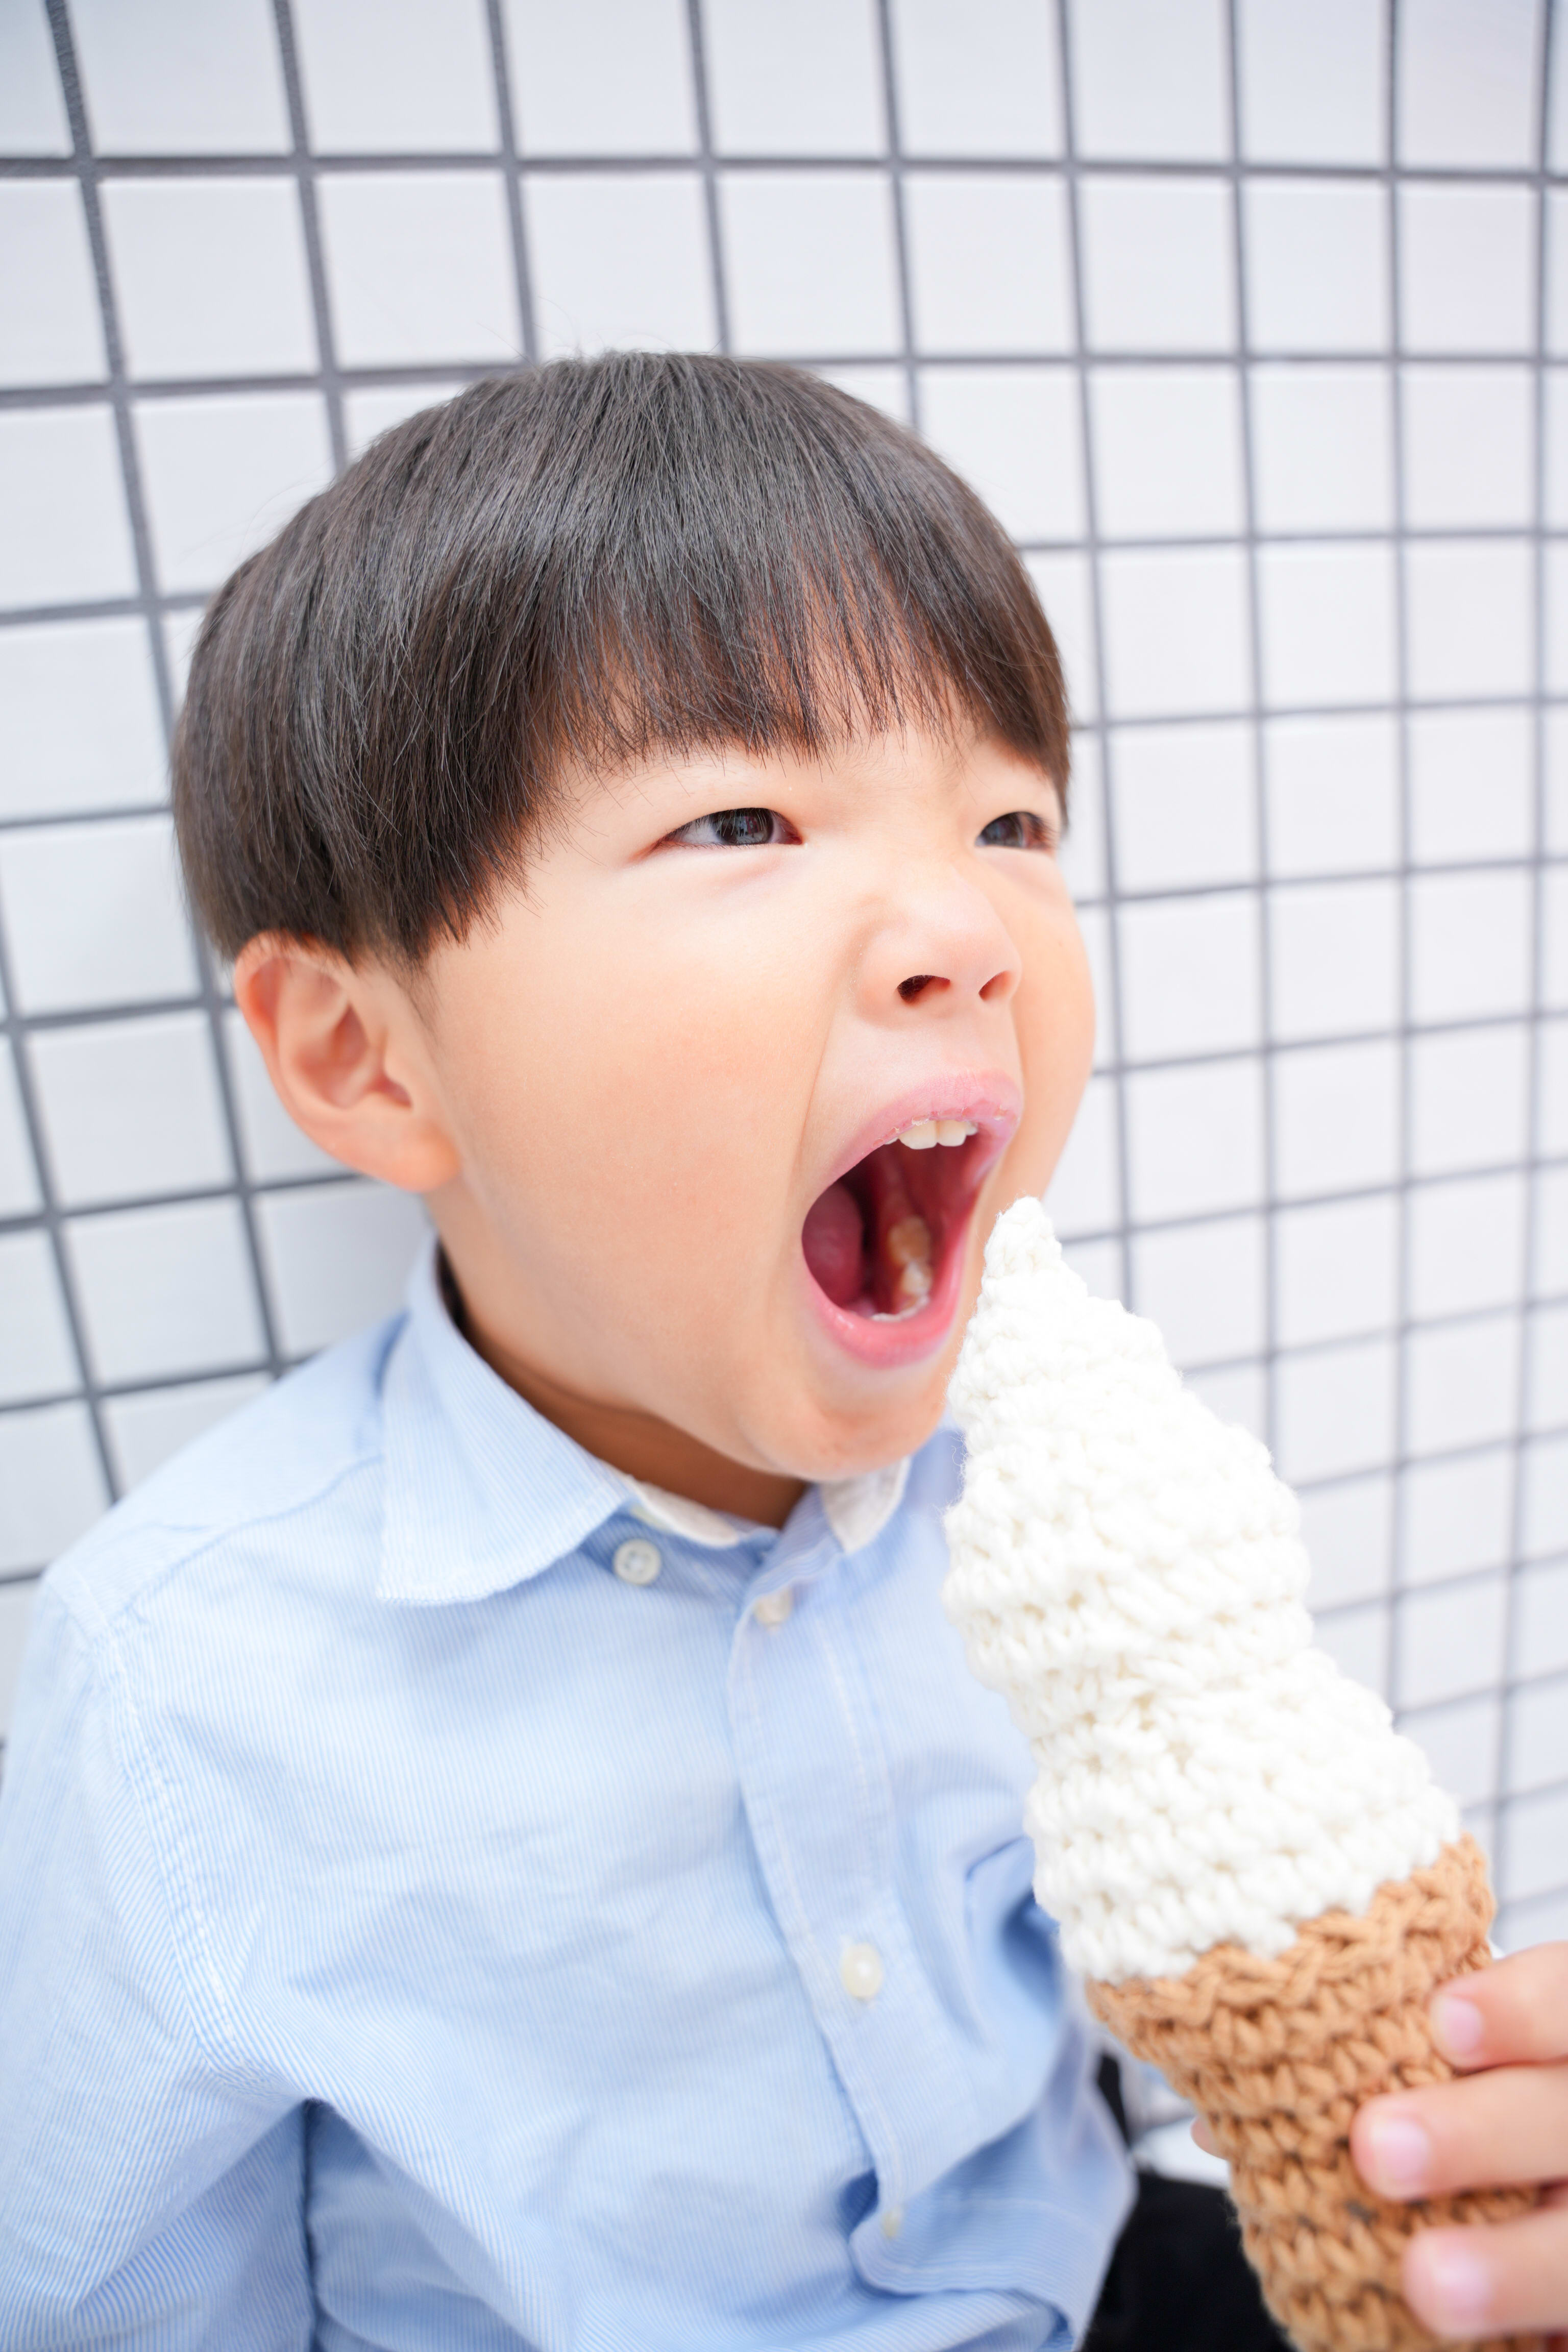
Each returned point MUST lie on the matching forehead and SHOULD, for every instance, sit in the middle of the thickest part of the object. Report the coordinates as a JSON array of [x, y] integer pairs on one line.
[[863, 767]]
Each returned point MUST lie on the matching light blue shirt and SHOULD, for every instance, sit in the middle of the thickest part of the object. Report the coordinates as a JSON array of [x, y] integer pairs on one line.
[[449, 1896]]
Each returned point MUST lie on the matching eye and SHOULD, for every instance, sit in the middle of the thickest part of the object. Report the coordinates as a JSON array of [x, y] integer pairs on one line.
[[1019, 829], [741, 828]]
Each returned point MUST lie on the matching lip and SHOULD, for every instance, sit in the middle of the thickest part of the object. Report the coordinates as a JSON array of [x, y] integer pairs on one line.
[[995, 1105]]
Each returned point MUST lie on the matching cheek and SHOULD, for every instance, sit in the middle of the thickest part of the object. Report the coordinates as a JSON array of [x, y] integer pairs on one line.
[[618, 1106], [1055, 1018]]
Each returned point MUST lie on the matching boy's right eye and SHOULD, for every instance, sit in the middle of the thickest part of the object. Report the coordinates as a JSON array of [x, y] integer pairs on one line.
[[737, 828]]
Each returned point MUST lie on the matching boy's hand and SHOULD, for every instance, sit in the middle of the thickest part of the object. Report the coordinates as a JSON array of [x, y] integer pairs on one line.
[[1507, 2030]]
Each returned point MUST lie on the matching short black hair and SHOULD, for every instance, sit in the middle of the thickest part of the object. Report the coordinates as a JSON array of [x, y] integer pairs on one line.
[[565, 569]]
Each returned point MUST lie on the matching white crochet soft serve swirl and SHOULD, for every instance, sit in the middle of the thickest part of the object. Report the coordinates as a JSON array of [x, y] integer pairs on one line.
[[1127, 1570]]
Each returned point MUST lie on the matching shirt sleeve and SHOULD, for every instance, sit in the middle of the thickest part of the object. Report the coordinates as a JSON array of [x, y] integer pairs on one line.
[[150, 2184]]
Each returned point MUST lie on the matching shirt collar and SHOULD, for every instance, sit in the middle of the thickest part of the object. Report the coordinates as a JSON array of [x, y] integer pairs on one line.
[[483, 1492]]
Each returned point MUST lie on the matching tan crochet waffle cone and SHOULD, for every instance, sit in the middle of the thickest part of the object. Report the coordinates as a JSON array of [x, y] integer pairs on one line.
[[1278, 2054]]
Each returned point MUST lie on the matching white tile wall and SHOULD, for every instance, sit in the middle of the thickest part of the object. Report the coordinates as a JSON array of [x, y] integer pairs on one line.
[[1158, 264], [1267, 435], [1466, 78], [1323, 448], [1469, 447], [1205, 1288], [1318, 273], [1016, 433], [1332, 794], [186, 78], [1336, 1269], [1190, 976], [1312, 81], [79, 718], [165, 1291], [990, 262], [131, 1109], [221, 476], [803, 82], [600, 78], [1466, 268], [1177, 632], [210, 278], [94, 915], [420, 269], [1471, 785], [1336, 1119], [1455, 1516], [1168, 461], [396, 77], [1186, 805], [983, 82], [51, 327], [1334, 958], [67, 535], [620, 259], [1151, 79], [32, 107], [1347, 1529], [812, 265], [1470, 1102], [326, 1249], [1329, 620]]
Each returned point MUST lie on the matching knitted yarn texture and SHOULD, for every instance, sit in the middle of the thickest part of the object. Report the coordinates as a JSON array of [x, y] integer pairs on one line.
[[1127, 1570], [1278, 2054], [1253, 1870]]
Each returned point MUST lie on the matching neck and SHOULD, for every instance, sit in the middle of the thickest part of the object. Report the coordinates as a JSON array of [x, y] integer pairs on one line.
[[639, 1444]]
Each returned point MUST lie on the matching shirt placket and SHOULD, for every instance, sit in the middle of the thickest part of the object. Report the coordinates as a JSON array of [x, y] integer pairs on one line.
[[821, 1803]]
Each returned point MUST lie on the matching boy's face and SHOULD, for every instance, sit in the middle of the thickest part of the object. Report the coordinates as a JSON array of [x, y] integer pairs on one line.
[[673, 1066]]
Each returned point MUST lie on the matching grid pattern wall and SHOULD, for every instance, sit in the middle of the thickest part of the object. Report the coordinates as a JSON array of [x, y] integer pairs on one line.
[[1245, 317]]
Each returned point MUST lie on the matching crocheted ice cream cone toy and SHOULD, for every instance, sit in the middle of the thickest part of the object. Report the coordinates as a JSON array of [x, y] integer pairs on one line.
[[1254, 1873]]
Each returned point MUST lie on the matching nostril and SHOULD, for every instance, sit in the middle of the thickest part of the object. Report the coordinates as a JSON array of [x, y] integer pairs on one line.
[[914, 988]]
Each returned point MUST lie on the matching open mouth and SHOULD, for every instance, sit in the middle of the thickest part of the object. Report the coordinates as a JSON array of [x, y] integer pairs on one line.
[[885, 1243]]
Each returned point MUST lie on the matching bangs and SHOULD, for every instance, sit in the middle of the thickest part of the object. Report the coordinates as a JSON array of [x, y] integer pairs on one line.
[[569, 572]]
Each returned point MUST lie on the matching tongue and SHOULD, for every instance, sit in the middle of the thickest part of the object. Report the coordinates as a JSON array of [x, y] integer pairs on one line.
[[834, 1240]]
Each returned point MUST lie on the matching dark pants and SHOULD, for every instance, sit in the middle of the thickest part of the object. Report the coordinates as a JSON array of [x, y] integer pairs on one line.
[[1178, 2280]]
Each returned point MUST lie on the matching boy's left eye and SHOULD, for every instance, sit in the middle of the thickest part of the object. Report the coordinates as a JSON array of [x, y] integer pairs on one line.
[[1019, 829], [737, 828]]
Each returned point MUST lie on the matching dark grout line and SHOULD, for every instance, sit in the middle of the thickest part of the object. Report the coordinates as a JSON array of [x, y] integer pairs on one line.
[[517, 226], [1503, 1772], [329, 382], [463, 367], [902, 272], [274, 162], [210, 995], [1115, 1008], [1254, 715], [712, 212]]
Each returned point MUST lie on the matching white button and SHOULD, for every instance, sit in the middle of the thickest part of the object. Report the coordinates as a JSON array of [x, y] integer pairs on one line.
[[892, 2221], [860, 1971], [636, 1562], [773, 1608]]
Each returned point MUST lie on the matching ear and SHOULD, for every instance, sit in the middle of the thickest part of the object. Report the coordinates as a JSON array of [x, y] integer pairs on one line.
[[347, 1053]]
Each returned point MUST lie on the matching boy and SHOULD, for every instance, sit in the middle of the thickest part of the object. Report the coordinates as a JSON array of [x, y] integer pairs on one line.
[[501, 1848]]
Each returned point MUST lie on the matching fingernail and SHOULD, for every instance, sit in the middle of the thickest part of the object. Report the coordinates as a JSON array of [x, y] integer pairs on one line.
[[1399, 2152], [1459, 2282], [1457, 2024]]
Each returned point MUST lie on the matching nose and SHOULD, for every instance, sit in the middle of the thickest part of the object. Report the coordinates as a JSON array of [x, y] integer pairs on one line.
[[944, 946]]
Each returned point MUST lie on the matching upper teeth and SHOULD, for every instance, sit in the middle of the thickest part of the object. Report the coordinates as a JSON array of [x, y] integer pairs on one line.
[[922, 1133]]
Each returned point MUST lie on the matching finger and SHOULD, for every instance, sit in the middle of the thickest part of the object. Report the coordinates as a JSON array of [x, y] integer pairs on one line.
[[1475, 2281], [1513, 2013], [1511, 2124], [1206, 2139]]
